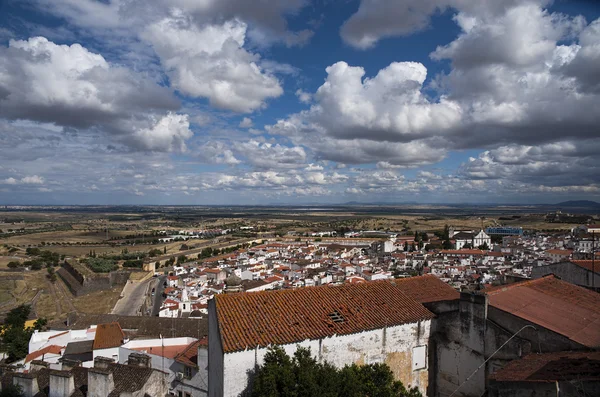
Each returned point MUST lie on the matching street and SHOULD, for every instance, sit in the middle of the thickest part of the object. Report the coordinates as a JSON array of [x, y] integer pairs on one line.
[[133, 298]]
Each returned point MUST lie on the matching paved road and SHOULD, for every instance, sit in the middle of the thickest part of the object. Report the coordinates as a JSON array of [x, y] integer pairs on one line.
[[134, 294], [158, 299]]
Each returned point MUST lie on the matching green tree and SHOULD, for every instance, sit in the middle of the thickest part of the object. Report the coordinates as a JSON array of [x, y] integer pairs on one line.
[[13, 264], [303, 376], [484, 247]]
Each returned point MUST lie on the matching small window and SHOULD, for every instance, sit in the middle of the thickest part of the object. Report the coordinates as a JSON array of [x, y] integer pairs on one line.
[[179, 393], [188, 372], [336, 317], [419, 358], [188, 395]]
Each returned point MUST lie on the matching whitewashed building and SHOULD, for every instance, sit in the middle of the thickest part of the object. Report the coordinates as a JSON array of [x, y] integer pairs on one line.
[[365, 323]]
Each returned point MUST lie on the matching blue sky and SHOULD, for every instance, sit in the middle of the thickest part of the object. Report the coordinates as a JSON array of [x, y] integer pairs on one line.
[[299, 101]]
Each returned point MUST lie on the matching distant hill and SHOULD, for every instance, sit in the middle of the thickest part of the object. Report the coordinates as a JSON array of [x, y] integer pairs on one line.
[[579, 204]]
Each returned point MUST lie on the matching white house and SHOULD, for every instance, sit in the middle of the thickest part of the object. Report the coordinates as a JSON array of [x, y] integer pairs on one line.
[[384, 325]]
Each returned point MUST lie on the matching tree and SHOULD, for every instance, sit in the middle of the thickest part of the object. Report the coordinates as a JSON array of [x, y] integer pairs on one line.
[[303, 376], [484, 247], [13, 264], [15, 338]]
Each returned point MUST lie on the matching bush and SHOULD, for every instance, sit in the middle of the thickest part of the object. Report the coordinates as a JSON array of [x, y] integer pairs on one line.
[[13, 264], [101, 265], [134, 263]]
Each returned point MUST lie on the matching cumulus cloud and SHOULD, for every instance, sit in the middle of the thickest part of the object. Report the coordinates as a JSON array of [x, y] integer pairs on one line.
[[73, 87], [70, 85], [167, 134], [210, 62], [378, 19], [266, 155], [514, 79]]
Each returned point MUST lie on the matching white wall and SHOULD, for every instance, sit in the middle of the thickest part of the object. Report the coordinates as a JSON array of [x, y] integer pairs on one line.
[[393, 345]]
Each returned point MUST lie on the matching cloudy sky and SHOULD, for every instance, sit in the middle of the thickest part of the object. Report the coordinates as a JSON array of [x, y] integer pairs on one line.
[[299, 101]]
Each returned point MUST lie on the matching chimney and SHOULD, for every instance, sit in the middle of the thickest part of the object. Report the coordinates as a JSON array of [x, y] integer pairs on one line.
[[139, 360], [36, 365], [61, 383], [68, 364], [102, 362], [28, 383], [100, 382]]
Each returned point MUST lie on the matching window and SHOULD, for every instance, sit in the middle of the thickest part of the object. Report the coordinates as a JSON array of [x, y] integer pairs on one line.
[[336, 317], [419, 358], [179, 393], [188, 395], [187, 372]]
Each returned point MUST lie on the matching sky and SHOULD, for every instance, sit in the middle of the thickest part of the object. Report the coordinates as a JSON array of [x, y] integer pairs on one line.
[[299, 101]]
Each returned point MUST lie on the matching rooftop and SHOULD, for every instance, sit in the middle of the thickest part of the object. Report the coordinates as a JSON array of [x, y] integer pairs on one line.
[[108, 335], [52, 349], [427, 288], [288, 316], [587, 264], [562, 307], [550, 367]]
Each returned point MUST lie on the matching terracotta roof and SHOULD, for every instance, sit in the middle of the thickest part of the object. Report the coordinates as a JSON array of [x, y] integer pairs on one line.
[[189, 356], [427, 289], [108, 335], [166, 351], [288, 316], [562, 307], [52, 349], [61, 334], [587, 264], [551, 367]]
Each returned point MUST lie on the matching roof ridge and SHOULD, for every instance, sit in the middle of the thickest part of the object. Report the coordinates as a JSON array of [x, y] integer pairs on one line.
[[505, 287]]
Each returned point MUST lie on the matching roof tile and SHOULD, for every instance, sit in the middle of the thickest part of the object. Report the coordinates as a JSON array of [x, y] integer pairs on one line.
[[248, 320]]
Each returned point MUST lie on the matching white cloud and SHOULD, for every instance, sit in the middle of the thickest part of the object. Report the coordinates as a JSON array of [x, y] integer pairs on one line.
[[27, 180], [73, 87], [32, 180], [378, 19], [210, 62], [303, 96], [168, 134], [246, 123], [266, 155]]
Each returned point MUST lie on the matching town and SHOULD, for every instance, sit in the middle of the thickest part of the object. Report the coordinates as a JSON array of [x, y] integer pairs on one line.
[[197, 305]]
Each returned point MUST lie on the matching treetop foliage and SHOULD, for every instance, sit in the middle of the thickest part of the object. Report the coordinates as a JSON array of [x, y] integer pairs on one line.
[[303, 376]]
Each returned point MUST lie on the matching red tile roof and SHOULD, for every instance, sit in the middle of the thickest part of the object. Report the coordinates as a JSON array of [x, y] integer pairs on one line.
[[52, 349], [427, 288], [189, 356], [587, 264], [554, 304], [281, 317], [166, 351], [551, 367], [108, 335]]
